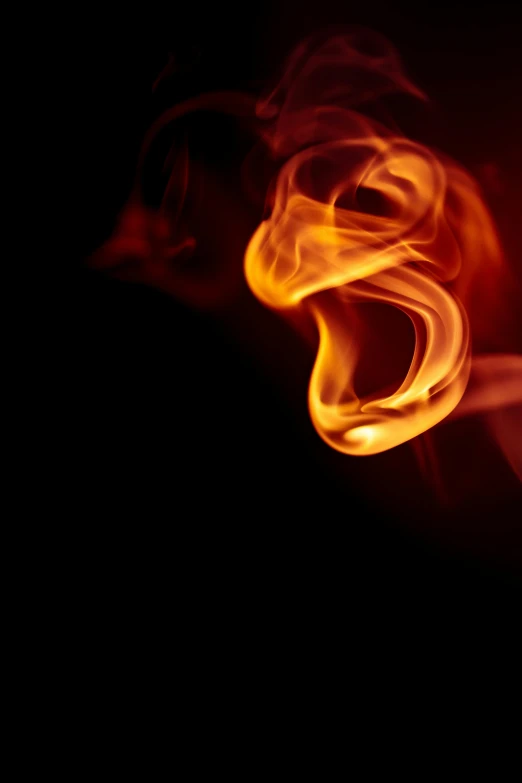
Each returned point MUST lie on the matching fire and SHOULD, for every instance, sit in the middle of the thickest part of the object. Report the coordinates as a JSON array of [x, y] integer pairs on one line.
[[360, 214]]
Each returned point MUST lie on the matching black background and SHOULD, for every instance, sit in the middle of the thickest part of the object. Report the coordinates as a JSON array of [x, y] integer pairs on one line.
[[199, 499]]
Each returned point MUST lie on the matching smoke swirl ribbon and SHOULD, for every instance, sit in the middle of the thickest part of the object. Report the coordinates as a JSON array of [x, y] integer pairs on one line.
[[361, 213]]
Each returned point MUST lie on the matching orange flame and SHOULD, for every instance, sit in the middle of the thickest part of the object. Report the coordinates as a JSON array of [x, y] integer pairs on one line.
[[362, 214], [359, 214]]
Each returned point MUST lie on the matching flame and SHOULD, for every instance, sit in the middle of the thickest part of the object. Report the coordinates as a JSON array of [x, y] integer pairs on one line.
[[360, 214]]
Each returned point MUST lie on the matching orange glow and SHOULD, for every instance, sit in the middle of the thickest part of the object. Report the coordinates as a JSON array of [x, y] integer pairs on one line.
[[362, 214]]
